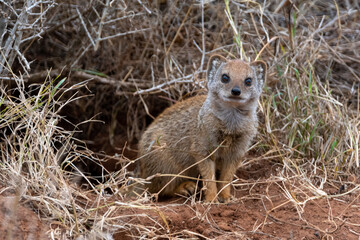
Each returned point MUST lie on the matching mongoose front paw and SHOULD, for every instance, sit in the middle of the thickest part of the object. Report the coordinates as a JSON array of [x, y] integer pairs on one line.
[[210, 198], [186, 188], [225, 199], [213, 201]]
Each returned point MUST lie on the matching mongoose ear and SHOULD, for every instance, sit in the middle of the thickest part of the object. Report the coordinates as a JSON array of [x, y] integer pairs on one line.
[[260, 69], [214, 63]]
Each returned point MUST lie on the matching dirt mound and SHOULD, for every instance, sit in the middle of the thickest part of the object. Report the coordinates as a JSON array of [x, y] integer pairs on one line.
[[19, 222]]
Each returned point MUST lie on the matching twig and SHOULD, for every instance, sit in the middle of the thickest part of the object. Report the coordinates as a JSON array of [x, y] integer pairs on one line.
[[124, 17], [86, 30], [105, 10], [41, 76], [80, 56], [125, 33], [160, 86], [202, 36], [27, 64], [139, 1], [178, 31]]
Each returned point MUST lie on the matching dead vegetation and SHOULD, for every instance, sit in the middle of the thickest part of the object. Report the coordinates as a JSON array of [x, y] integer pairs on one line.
[[121, 63]]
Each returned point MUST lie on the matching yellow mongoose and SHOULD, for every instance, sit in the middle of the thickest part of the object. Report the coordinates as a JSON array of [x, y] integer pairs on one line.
[[186, 133]]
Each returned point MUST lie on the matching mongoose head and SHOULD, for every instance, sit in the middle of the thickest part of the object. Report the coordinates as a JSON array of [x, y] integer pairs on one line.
[[235, 82]]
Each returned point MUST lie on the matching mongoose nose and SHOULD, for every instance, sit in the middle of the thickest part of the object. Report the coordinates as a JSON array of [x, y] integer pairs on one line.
[[236, 91]]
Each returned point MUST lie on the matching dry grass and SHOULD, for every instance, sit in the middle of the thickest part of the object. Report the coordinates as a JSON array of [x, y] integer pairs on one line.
[[142, 56]]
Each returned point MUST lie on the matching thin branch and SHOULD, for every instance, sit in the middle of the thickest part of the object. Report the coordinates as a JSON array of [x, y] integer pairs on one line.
[[202, 35], [105, 10], [86, 30], [123, 34], [139, 1], [160, 86]]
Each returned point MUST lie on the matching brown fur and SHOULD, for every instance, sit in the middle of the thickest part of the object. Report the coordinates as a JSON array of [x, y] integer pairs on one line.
[[187, 132]]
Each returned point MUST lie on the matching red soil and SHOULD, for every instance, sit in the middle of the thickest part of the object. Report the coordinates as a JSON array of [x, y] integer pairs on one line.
[[18, 222], [260, 211]]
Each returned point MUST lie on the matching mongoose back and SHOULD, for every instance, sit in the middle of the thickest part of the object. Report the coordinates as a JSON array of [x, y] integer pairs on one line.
[[181, 140]]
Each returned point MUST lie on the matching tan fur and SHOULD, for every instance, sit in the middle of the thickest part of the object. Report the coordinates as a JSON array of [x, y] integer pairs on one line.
[[187, 132]]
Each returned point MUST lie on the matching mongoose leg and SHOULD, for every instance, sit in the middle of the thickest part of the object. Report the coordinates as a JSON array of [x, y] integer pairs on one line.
[[186, 188], [226, 176], [207, 172]]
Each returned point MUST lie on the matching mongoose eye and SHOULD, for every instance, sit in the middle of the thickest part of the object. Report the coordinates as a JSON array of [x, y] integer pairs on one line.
[[225, 78], [248, 82]]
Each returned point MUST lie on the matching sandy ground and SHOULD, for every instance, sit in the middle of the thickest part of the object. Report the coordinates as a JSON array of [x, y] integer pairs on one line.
[[260, 210]]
